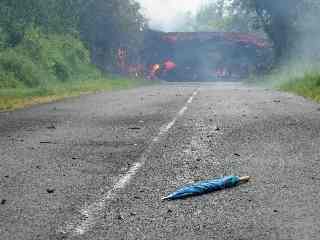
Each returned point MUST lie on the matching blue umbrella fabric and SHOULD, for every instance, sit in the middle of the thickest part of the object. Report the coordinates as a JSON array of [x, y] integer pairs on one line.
[[208, 186]]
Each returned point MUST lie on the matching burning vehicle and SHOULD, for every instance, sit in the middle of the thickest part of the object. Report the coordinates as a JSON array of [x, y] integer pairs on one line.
[[198, 56], [205, 56]]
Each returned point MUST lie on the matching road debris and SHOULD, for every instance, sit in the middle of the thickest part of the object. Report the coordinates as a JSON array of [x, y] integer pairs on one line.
[[205, 187], [50, 191], [217, 128], [120, 217], [133, 214], [46, 142], [134, 128], [51, 127]]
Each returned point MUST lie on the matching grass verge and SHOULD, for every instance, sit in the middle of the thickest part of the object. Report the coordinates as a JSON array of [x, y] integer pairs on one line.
[[16, 98], [303, 80], [307, 86]]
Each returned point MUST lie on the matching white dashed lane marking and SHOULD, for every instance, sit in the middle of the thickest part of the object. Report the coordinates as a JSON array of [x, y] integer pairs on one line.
[[93, 212]]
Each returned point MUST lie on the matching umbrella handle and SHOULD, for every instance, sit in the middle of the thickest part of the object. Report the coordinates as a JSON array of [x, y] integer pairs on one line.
[[245, 179]]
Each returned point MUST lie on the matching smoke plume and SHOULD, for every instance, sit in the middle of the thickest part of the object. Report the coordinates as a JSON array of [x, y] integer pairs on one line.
[[168, 15]]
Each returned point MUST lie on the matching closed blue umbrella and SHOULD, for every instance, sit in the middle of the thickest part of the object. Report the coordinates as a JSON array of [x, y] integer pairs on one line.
[[204, 187]]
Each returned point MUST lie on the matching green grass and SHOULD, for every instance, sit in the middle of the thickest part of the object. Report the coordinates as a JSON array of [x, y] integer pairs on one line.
[[307, 86], [40, 59], [15, 98], [301, 79], [48, 67]]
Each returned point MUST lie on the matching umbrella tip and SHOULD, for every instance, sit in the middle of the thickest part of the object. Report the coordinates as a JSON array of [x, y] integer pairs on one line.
[[245, 179], [164, 199]]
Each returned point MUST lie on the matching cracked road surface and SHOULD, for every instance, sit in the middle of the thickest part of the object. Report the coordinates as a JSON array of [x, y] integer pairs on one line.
[[96, 167]]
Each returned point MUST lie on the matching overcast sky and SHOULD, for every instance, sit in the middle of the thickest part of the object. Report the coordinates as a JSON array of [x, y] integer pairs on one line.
[[164, 14]]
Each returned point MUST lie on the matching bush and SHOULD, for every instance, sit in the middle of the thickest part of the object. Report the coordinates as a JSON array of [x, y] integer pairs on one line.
[[61, 56], [18, 68], [42, 59], [61, 71], [8, 80], [307, 85]]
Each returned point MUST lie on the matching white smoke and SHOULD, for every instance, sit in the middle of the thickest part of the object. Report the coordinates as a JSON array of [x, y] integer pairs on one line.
[[167, 15]]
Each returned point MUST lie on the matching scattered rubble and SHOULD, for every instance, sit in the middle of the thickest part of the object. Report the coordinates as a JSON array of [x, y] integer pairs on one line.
[[50, 191], [120, 218], [217, 128], [46, 142], [51, 127], [134, 128]]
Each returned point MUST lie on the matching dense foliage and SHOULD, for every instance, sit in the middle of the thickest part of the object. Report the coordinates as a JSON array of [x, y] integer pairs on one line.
[[16, 16], [293, 27], [43, 59], [48, 40], [290, 24], [107, 25], [221, 15], [218, 15]]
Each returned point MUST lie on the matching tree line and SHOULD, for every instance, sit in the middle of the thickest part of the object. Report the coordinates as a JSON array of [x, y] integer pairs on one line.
[[291, 25], [103, 25]]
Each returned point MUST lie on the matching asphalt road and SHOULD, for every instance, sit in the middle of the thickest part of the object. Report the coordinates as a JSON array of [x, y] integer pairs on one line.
[[96, 167]]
